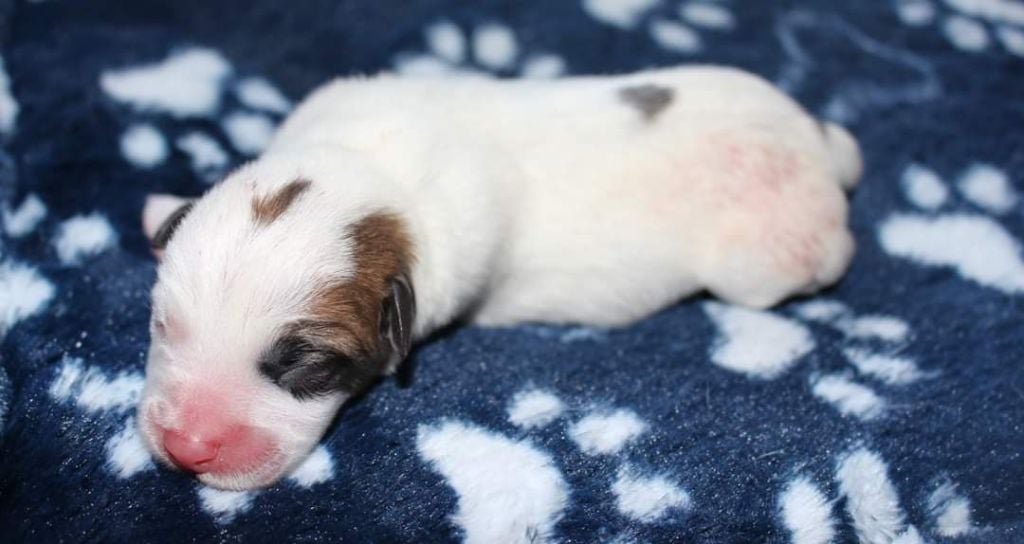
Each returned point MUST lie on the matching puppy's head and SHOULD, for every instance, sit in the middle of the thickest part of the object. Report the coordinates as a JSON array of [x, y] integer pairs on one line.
[[275, 301]]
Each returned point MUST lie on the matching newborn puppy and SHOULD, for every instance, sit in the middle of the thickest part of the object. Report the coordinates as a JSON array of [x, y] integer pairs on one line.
[[386, 208]]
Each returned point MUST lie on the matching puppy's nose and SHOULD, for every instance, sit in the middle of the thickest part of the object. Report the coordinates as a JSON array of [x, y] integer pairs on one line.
[[190, 451]]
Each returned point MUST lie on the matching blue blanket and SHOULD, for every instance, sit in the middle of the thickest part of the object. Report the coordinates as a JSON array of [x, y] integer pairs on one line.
[[887, 409]]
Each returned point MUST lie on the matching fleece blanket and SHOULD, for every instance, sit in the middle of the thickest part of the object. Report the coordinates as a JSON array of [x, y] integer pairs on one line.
[[887, 409]]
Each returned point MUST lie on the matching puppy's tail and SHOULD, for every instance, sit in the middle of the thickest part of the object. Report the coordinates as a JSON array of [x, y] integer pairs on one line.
[[845, 152]]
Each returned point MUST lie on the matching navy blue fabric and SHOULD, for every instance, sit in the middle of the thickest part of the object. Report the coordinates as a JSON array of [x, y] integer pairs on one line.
[[731, 441]]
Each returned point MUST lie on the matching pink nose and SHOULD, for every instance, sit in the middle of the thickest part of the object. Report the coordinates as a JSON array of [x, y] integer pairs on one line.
[[190, 451], [209, 445]]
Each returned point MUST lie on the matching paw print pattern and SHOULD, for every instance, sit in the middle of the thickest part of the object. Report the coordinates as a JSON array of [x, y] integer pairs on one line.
[[970, 25], [678, 32], [973, 243], [764, 345], [872, 505], [24, 291], [190, 84], [480, 464], [490, 49], [103, 397]]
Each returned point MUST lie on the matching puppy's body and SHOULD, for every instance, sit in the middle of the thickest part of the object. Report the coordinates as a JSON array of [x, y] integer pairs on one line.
[[571, 202], [386, 208]]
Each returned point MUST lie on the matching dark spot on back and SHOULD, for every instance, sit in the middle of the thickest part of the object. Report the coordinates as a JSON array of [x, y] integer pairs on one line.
[[649, 99]]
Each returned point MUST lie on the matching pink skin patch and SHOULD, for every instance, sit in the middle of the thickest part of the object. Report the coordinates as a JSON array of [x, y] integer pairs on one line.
[[209, 440]]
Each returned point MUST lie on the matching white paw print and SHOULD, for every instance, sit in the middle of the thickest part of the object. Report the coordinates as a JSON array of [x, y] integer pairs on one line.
[[872, 504], [190, 84], [481, 464], [970, 25], [972, 243], [488, 49], [677, 30], [764, 345], [95, 393]]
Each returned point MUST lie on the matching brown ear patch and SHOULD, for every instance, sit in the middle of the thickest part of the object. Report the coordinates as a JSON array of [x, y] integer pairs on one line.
[[347, 315], [649, 99], [267, 208]]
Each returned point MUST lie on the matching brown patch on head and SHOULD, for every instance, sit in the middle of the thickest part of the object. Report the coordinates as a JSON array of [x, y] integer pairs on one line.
[[347, 315], [267, 208]]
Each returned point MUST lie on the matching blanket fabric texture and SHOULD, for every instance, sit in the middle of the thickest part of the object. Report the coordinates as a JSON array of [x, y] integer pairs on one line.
[[887, 409]]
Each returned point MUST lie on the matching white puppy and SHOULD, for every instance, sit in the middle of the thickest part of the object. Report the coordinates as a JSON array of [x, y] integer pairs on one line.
[[386, 208]]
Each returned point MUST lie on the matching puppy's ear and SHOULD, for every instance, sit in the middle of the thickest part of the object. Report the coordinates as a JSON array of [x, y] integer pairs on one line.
[[160, 218], [397, 313]]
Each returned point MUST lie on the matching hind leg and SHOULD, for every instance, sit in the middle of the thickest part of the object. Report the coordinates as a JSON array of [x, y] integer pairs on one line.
[[775, 220]]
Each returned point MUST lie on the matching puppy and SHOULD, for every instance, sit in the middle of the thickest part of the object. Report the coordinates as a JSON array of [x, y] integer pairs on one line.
[[386, 208]]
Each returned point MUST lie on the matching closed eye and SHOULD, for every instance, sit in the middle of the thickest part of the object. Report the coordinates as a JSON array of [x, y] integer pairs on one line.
[[305, 369]]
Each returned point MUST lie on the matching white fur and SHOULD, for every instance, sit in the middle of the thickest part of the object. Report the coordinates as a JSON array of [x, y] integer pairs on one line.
[[509, 491], [534, 408], [20, 222], [647, 499], [241, 302], [8, 105], [757, 343], [603, 433], [600, 218], [186, 84], [143, 146], [871, 499], [84, 236], [807, 513], [849, 397], [529, 182]]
